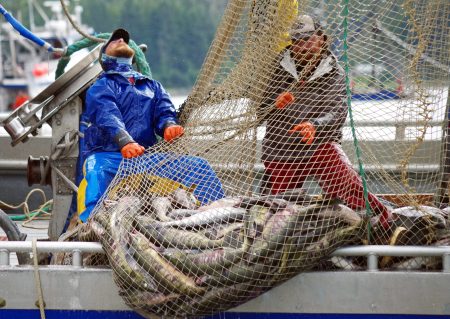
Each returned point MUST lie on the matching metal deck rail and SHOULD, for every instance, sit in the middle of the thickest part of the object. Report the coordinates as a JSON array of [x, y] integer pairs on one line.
[[371, 252]]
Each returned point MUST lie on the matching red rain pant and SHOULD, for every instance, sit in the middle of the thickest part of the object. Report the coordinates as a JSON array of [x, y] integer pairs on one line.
[[333, 171]]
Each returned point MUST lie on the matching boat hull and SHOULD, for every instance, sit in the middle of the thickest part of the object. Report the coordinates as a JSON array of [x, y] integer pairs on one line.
[[81, 292]]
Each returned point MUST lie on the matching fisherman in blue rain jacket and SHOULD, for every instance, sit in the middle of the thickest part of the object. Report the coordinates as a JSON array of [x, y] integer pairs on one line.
[[124, 111]]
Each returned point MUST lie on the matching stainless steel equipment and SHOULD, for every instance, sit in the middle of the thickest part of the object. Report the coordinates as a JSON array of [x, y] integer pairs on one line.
[[60, 106]]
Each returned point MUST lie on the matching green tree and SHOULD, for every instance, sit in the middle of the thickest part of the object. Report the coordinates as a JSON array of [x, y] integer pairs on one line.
[[178, 33]]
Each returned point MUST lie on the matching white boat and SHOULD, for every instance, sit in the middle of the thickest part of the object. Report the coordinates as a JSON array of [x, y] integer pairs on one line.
[[79, 291], [26, 69]]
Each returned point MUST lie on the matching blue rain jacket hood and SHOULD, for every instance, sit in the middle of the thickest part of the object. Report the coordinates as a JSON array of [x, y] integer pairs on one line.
[[124, 106]]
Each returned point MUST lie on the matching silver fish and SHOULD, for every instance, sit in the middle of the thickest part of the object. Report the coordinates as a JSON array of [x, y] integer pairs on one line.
[[181, 213], [408, 216], [115, 242], [330, 241], [257, 219], [418, 263], [91, 231], [142, 299], [161, 206], [161, 270], [223, 202], [220, 230], [344, 263], [208, 217], [282, 225], [207, 262], [183, 199], [175, 238], [340, 212]]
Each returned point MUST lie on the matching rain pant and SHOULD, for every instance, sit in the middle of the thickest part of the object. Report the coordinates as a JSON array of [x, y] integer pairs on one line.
[[189, 172], [333, 171]]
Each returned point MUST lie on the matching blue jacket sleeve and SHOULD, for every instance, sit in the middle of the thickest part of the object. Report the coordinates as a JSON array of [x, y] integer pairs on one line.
[[165, 113], [102, 110]]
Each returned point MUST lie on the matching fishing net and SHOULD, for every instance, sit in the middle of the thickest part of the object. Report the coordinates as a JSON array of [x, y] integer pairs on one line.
[[251, 196]]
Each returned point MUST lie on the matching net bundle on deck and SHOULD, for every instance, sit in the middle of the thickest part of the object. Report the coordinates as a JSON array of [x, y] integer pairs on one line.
[[247, 198]]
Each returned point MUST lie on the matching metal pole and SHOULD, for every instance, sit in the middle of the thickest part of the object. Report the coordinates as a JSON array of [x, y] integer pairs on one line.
[[31, 14], [12, 48], [398, 251], [372, 262], [4, 257], [446, 263], [1, 58], [77, 260], [52, 246], [445, 156]]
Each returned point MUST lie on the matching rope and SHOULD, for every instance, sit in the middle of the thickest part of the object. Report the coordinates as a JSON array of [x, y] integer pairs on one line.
[[84, 43], [26, 209], [30, 215], [139, 56], [425, 106], [37, 280], [77, 27], [344, 14], [68, 141]]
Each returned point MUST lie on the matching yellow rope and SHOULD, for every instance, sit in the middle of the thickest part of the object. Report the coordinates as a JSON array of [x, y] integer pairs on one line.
[[37, 280], [26, 208]]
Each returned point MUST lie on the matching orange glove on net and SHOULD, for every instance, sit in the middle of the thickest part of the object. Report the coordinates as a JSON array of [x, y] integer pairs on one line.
[[307, 130], [284, 99], [132, 150], [172, 132]]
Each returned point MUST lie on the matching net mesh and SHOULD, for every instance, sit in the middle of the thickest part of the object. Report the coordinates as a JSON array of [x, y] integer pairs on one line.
[[287, 155]]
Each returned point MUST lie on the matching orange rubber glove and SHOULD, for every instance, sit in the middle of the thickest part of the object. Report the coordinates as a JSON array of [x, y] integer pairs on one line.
[[283, 100], [132, 150], [172, 132], [307, 130]]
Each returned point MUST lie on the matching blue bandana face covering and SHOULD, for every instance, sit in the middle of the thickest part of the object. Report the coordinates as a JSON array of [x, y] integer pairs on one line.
[[121, 66], [116, 64]]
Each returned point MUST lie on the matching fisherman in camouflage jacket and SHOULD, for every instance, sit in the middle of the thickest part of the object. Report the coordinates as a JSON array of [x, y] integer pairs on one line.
[[305, 109]]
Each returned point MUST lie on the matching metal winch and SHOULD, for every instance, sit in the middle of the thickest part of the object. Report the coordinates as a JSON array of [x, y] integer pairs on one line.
[[60, 106]]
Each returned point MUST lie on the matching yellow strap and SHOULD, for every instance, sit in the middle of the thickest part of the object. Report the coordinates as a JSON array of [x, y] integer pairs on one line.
[[37, 279]]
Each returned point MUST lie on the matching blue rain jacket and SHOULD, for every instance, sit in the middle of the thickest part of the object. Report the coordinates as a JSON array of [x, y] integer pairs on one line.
[[124, 106], [121, 107]]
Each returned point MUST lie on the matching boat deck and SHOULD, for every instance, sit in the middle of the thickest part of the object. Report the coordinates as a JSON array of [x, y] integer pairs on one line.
[[326, 294]]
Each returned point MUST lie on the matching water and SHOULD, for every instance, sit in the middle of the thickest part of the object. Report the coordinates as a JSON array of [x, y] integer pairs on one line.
[[177, 100], [390, 114]]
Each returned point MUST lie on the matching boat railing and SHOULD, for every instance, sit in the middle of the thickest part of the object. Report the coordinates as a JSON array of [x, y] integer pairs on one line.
[[371, 252], [76, 248], [400, 126]]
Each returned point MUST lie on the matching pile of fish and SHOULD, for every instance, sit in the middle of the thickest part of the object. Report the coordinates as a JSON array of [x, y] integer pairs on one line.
[[173, 258], [408, 226]]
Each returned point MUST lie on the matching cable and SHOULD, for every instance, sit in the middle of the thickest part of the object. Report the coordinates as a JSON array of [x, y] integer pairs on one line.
[[77, 27], [28, 215], [27, 33]]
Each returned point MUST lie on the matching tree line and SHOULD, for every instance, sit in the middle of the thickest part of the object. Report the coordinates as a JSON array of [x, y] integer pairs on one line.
[[178, 33]]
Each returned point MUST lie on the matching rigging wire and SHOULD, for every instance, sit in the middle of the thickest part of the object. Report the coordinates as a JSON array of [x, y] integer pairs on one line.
[[77, 27]]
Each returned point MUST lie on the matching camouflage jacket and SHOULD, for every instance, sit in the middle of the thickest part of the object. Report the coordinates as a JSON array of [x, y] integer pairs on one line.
[[320, 98]]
